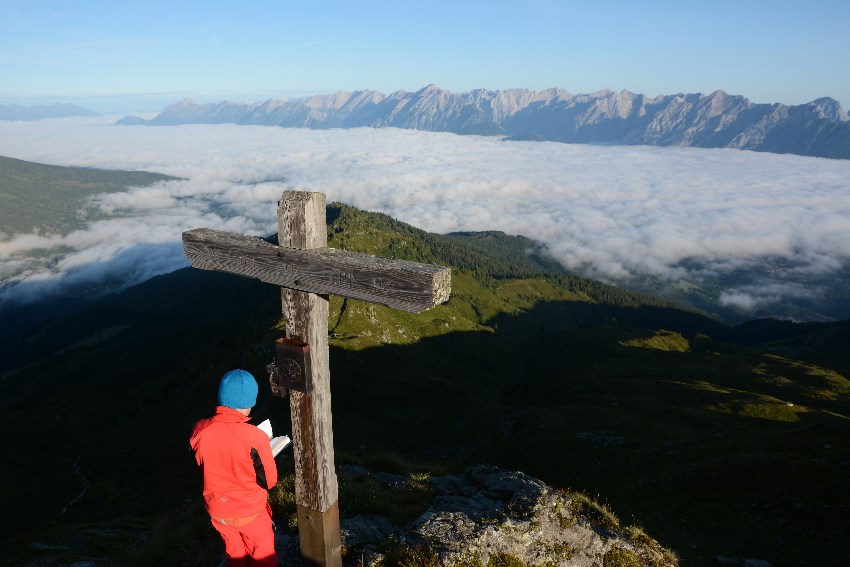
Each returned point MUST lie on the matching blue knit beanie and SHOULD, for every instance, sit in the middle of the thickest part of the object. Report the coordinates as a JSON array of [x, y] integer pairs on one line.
[[237, 390]]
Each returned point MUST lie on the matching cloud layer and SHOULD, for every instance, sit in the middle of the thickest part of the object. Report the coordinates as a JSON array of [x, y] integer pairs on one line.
[[609, 212]]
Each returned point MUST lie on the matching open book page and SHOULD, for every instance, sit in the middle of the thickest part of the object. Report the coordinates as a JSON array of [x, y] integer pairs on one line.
[[266, 427], [279, 443]]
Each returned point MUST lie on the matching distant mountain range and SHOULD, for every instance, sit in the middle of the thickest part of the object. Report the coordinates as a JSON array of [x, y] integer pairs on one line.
[[718, 120], [57, 110]]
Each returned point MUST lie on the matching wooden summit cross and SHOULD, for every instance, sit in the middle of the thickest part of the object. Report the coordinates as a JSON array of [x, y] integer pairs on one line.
[[307, 272]]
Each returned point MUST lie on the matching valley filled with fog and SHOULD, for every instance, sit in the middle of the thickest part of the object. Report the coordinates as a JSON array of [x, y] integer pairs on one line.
[[756, 230]]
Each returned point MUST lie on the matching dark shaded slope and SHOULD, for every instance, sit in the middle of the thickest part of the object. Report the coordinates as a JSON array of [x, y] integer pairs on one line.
[[115, 388]]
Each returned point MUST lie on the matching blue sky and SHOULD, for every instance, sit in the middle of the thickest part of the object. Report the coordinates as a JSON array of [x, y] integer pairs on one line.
[[769, 51]]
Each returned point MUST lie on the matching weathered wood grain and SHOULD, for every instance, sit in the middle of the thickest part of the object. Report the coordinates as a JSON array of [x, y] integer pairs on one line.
[[408, 286], [306, 317], [301, 220]]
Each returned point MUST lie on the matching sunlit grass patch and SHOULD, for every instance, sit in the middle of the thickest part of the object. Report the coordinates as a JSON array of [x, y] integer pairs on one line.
[[638, 535], [356, 325], [706, 386], [812, 381], [765, 408], [598, 514], [664, 340]]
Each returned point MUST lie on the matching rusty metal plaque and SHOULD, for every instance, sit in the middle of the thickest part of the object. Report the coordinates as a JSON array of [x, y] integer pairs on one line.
[[292, 358]]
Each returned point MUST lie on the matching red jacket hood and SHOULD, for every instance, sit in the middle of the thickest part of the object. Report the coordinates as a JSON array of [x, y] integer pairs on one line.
[[229, 415]]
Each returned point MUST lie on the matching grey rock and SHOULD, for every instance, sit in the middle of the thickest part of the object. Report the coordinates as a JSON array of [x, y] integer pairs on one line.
[[451, 486], [487, 510], [717, 120], [451, 529], [504, 482]]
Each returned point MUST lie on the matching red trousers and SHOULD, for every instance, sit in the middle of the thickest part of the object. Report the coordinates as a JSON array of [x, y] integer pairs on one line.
[[249, 545]]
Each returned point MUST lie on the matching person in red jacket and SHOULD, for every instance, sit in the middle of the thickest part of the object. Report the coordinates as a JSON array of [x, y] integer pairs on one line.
[[238, 470]]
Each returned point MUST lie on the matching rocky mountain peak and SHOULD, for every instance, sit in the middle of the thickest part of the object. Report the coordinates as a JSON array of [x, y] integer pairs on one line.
[[430, 89], [830, 108], [183, 103], [717, 120]]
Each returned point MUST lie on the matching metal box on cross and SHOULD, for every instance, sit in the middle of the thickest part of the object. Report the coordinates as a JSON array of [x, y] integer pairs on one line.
[[292, 364]]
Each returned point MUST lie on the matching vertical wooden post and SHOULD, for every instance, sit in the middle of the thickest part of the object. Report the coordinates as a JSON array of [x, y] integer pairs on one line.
[[301, 224]]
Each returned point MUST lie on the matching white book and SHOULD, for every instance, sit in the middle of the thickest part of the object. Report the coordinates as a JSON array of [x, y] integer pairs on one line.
[[279, 443]]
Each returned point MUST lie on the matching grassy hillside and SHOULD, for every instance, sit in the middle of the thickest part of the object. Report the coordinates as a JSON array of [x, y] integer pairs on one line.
[[51, 199], [720, 441]]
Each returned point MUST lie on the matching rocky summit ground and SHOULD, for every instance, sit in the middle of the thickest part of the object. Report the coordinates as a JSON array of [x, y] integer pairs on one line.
[[486, 516]]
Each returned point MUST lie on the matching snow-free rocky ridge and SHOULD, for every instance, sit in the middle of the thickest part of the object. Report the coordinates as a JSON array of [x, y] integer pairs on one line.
[[718, 120]]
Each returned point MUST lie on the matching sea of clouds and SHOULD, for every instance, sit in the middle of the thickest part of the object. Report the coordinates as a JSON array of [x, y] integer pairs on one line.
[[610, 212]]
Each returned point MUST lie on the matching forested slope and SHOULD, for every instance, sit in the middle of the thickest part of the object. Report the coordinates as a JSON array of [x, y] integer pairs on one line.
[[51, 198]]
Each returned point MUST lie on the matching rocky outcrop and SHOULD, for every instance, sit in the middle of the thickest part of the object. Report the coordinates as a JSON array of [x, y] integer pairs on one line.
[[718, 120], [488, 512]]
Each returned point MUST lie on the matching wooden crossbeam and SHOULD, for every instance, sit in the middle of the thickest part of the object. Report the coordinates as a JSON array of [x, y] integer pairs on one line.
[[400, 284]]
